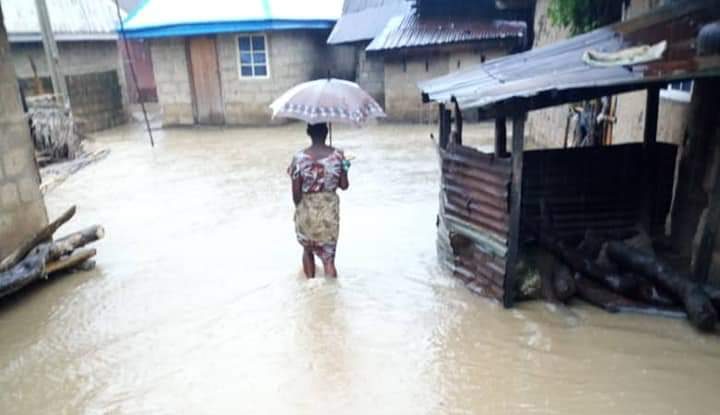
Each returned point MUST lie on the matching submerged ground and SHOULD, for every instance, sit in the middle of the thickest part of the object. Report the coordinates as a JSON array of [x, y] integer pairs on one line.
[[198, 305]]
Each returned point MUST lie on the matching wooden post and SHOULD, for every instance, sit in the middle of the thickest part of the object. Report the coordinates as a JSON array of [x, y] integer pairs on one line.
[[458, 121], [445, 121], [51, 53], [703, 260], [649, 155], [500, 137], [513, 252]]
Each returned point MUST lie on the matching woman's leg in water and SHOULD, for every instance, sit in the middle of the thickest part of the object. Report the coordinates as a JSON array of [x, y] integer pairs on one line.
[[308, 261], [329, 266]]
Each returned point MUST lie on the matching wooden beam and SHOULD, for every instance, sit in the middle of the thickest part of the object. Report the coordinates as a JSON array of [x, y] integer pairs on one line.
[[703, 259], [445, 126], [501, 137], [652, 106], [51, 53], [518, 145]]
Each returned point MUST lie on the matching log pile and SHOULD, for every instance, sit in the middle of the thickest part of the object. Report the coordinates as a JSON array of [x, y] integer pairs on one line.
[[620, 273], [41, 256]]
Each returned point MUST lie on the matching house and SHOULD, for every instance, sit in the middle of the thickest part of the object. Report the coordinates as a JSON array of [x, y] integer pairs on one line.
[[88, 53], [498, 202], [219, 62], [399, 43]]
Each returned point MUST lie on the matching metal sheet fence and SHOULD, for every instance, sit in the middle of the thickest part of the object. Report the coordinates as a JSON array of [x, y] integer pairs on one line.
[[474, 206]]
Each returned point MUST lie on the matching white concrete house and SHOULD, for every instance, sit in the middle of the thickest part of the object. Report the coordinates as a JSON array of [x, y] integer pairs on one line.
[[219, 62]]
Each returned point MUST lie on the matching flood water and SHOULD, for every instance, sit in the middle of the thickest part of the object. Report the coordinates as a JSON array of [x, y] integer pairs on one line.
[[198, 304]]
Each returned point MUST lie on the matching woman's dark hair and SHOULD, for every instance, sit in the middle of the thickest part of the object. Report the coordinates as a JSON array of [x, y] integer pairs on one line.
[[317, 132]]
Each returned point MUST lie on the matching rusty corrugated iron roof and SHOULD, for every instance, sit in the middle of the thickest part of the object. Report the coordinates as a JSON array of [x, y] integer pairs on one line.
[[557, 73], [363, 20], [411, 31]]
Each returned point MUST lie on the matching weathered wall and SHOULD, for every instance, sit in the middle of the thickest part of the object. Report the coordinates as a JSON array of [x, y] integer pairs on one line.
[[22, 209], [75, 57], [547, 126], [172, 80], [96, 100], [402, 96], [370, 74], [93, 74], [295, 57]]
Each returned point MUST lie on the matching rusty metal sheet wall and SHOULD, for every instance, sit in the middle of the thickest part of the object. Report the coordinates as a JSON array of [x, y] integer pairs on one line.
[[600, 188], [474, 203]]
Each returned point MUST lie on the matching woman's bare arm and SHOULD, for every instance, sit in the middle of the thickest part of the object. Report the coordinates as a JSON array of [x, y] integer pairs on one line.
[[344, 183], [297, 190]]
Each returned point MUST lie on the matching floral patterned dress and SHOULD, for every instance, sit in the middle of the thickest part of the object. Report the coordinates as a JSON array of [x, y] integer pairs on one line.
[[317, 216]]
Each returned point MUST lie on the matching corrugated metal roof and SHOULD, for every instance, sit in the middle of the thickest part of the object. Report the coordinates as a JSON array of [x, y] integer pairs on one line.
[[557, 74], [411, 31], [70, 19], [158, 18], [365, 19]]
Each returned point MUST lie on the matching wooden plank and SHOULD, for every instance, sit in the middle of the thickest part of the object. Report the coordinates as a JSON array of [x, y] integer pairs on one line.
[[204, 69], [703, 260], [652, 107], [500, 137], [515, 208]]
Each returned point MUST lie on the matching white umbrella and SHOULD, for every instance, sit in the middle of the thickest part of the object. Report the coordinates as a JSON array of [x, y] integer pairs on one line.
[[327, 100]]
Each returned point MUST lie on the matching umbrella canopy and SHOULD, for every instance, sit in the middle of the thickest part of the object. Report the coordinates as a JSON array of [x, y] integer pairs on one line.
[[327, 100]]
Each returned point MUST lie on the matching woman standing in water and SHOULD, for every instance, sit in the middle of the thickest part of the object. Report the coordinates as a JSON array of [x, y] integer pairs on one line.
[[316, 173]]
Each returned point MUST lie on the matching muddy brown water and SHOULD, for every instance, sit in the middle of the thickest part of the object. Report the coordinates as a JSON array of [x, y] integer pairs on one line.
[[198, 305]]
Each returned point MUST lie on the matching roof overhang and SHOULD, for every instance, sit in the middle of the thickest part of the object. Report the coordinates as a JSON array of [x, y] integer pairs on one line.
[[365, 24], [197, 29], [411, 31], [558, 74], [63, 37]]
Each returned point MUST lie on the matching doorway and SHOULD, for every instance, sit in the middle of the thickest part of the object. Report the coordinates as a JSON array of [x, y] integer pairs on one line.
[[205, 79]]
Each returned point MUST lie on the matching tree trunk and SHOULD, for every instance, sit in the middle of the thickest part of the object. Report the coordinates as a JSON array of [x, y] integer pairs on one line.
[[67, 244], [74, 260], [30, 269], [700, 310], [43, 236]]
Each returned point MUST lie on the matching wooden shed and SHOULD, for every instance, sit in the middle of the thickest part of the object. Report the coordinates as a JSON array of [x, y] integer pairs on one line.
[[495, 200]]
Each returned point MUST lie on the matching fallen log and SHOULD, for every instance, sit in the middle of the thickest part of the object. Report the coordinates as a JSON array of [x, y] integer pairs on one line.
[[624, 284], [43, 235], [564, 285], [700, 310], [30, 269], [67, 244], [72, 261], [597, 295], [714, 293]]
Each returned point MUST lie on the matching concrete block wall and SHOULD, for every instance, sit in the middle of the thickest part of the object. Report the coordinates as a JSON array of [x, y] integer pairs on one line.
[[22, 209], [370, 74], [173, 80], [75, 57], [96, 100], [295, 57], [402, 97]]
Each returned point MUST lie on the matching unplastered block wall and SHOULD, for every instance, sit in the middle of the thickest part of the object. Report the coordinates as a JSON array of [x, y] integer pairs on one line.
[[173, 80], [22, 209], [76, 58], [370, 74], [295, 56], [403, 98]]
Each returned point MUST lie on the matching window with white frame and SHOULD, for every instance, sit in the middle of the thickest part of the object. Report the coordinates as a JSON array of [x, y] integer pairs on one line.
[[253, 56], [678, 91]]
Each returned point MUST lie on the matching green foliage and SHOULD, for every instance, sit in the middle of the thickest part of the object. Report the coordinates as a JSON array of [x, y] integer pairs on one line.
[[580, 16]]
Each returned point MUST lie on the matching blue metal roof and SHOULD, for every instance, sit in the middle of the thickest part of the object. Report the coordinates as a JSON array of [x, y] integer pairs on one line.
[[164, 18]]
